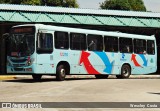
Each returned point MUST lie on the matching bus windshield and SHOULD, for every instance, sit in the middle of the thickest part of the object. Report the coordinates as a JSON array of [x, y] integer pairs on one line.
[[21, 44]]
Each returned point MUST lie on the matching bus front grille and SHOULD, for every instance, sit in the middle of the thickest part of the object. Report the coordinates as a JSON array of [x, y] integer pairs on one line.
[[18, 60], [18, 65], [18, 69]]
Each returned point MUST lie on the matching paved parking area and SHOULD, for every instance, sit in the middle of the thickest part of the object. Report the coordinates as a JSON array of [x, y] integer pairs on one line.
[[81, 89]]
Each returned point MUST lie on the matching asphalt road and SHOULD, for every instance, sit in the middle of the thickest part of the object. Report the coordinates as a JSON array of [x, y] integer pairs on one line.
[[81, 89]]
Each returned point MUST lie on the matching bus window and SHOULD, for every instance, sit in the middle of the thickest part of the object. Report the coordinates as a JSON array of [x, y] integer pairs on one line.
[[150, 47], [111, 44], [95, 42], [77, 41], [125, 45], [140, 46], [61, 40], [45, 43]]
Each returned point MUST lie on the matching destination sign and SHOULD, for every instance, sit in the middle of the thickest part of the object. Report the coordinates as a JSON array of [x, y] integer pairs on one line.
[[23, 30]]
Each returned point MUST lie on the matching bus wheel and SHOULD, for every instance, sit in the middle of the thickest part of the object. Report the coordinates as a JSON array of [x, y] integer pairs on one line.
[[61, 73], [125, 71], [37, 77], [101, 76]]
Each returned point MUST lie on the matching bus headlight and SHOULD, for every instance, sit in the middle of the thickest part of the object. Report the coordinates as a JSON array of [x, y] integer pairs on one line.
[[30, 61]]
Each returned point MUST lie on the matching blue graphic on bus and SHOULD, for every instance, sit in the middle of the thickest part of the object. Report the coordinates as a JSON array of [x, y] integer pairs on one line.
[[106, 61], [123, 55], [144, 59]]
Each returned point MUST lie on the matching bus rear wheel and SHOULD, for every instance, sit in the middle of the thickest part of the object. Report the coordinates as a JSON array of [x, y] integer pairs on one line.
[[60, 73], [101, 76], [125, 72], [37, 77]]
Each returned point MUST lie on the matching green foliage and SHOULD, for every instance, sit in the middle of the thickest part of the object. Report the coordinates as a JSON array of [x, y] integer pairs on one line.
[[71, 3], [30, 2], [61, 3], [10, 1], [52, 2], [136, 5]]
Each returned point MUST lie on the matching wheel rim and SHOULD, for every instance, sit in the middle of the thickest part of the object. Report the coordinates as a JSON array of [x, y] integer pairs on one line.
[[62, 72], [125, 71]]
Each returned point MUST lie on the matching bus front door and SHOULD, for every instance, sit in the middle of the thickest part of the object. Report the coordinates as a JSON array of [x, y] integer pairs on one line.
[[45, 53]]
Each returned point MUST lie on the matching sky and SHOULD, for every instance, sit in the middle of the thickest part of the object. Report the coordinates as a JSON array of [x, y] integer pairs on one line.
[[151, 5]]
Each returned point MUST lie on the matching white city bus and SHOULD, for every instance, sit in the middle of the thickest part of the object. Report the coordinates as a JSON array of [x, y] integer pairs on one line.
[[37, 49]]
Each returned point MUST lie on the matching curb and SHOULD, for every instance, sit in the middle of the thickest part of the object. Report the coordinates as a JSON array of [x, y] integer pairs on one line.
[[7, 77]]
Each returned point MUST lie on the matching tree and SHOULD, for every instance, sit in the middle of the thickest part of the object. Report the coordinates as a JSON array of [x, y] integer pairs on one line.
[[61, 3], [71, 3], [136, 5], [52, 2], [10, 1], [30, 2]]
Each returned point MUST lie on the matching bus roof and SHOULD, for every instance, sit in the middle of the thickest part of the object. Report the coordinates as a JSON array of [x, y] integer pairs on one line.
[[87, 31]]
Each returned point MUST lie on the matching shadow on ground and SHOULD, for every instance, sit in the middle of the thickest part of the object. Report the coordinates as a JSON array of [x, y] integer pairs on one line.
[[154, 93]]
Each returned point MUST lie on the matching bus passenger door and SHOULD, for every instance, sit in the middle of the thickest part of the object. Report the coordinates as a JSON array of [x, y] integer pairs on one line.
[[44, 53], [151, 60]]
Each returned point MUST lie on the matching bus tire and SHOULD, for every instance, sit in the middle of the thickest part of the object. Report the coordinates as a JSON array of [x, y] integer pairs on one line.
[[37, 77], [101, 76], [125, 71], [60, 73]]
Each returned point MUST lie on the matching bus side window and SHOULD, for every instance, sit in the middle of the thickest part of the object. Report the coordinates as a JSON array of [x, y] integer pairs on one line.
[[61, 40], [125, 45], [45, 43], [140, 46], [95, 42], [150, 47], [77, 41], [111, 44]]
